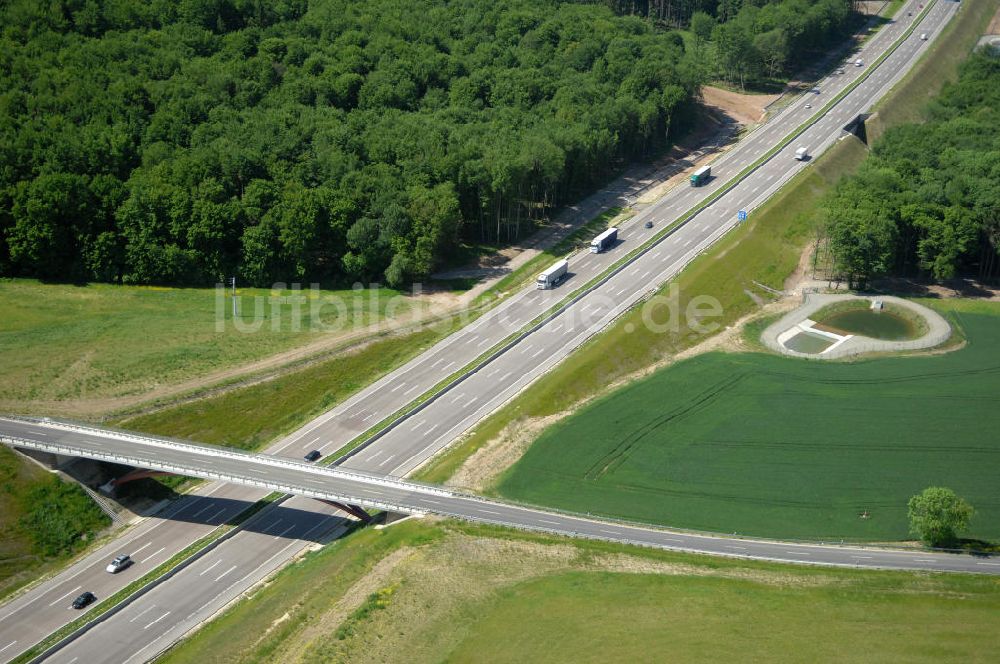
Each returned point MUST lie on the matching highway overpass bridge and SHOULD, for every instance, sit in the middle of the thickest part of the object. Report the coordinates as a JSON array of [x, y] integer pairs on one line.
[[393, 494]]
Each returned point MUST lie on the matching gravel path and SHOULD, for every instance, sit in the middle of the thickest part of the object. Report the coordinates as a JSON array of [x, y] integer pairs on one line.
[[938, 329]]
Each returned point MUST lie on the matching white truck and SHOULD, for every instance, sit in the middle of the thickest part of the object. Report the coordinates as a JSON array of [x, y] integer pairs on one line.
[[801, 154], [604, 241], [552, 276]]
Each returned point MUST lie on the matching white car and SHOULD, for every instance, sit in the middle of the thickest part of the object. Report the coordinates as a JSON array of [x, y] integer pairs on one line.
[[119, 563], [923, 35], [859, 63]]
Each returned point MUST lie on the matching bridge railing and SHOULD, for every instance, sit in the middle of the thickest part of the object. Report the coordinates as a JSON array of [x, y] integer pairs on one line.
[[228, 452]]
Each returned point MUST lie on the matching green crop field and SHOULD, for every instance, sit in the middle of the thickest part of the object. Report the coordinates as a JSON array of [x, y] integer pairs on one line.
[[96, 343], [771, 446], [450, 592]]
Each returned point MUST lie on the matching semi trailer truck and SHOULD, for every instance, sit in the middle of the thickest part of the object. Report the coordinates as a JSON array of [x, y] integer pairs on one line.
[[604, 241], [700, 176], [552, 276]]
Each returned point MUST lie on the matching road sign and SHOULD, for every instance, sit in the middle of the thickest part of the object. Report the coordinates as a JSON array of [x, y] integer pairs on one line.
[[742, 215]]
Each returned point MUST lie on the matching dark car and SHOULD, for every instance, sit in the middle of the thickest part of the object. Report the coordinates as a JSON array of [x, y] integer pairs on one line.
[[649, 224], [313, 456], [119, 563], [83, 600]]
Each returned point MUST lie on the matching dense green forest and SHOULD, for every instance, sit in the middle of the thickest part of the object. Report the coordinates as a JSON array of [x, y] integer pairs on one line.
[[927, 200], [743, 41], [333, 140]]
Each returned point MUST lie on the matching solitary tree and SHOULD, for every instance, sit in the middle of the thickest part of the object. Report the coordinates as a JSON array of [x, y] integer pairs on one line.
[[937, 514]]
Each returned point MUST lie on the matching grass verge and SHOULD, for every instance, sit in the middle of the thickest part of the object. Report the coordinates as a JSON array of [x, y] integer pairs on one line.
[[272, 408], [44, 520], [446, 591]]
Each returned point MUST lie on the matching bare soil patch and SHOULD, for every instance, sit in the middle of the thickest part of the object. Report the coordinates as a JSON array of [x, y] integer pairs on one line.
[[746, 109]]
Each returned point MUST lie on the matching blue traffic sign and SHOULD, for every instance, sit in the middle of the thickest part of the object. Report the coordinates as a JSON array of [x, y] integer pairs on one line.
[[742, 215]]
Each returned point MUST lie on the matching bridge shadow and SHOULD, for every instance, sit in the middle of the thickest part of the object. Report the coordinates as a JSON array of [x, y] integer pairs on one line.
[[290, 522]]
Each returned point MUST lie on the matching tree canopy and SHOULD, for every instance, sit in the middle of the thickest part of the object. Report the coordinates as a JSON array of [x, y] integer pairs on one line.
[[937, 515], [926, 201], [181, 142], [744, 41]]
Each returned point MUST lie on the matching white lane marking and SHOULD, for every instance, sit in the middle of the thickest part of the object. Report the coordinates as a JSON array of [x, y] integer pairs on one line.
[[8, 646], [862, 557], [377, 454], [505, 376], [65, 596], [621, 291], [313, 441], [432, 429], [158, 552], [397, 387], [277, 521], [645, 275], [418, 424], [923, 560], [738, 548], [990, 564], [219, 578], [798, 553], [387, 460], [462, 394], [480, 509], [448, 366], [37, 433], [540, 351], [211, 567], [554, 523], [526, 347], [203, 509], [671, 539], [688, 242], [211, 518], [472, 401], [610, 532], [429, 500], [367, 417], [141, 548], [292, 527], [157, 620], [412, 389], [142, 613], [483, 342]]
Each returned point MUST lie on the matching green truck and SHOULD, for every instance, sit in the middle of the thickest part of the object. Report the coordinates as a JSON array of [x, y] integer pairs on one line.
[[700, 176]]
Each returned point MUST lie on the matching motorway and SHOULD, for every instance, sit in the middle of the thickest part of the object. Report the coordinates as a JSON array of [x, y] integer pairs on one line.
[[404, 447]]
